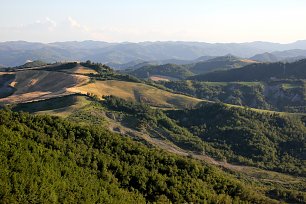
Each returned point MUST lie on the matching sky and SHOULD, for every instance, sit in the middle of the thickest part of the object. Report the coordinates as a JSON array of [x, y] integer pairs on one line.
[[281, 21]]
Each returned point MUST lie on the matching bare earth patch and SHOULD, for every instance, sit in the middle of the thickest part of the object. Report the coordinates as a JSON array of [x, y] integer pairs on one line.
[[162, 78], [248, 61], [79, 69], [158, 78], [37, 84]]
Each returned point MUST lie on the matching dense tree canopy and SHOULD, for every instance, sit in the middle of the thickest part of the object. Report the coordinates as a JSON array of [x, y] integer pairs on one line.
[[267, 140], [47, 159], [280, 95]]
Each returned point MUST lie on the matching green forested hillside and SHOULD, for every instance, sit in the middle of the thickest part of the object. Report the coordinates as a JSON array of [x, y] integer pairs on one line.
[[87, 163], [219, 63], [266, 140], [258, 72], [237, 93], [47, 159], [184, 71], [278, 95], [269, 141], [169, 70]]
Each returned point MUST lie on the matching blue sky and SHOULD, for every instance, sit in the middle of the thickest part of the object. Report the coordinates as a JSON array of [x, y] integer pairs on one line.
[[153, 20]]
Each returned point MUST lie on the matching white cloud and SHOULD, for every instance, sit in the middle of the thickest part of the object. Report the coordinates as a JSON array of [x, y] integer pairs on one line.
[[52, 23], [75, 24]]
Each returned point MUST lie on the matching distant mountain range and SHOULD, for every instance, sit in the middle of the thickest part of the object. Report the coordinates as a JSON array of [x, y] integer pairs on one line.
[[18, 52]]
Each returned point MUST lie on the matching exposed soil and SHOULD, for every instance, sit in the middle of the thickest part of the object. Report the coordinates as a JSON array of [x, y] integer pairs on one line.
[[38, 84]]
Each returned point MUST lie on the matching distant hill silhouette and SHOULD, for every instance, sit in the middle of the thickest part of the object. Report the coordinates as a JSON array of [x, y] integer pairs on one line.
[[258, 72], [286, 56], [219, 63]]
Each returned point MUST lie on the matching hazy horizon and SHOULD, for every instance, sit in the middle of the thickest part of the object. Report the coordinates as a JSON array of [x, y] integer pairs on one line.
[[217, 21], [161, 41]]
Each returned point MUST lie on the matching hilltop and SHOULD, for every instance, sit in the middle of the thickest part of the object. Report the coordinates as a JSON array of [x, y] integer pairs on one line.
[[219, 63], [198, 66], [166, 70], [258, 72], [37, 84], [285, 56], [28, 84]]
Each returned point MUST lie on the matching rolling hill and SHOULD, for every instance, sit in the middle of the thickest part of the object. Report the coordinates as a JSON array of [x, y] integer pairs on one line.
[[137, 92], [279, 95], [167, 70], [258, 72], [219, 63], [285, 56], [136, 64], [198, 66], [157, 117], [65, 162], [32, 85], [251, 135], [265, 57], [32, 64], [52, 81]]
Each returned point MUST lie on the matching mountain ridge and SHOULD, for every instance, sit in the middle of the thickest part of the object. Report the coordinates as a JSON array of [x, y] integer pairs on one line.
[[14, 53]]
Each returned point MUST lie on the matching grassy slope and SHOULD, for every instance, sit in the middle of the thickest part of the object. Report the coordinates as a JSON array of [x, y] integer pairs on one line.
[[38, 84], [79, 69], [41, 84], [137, 92]]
